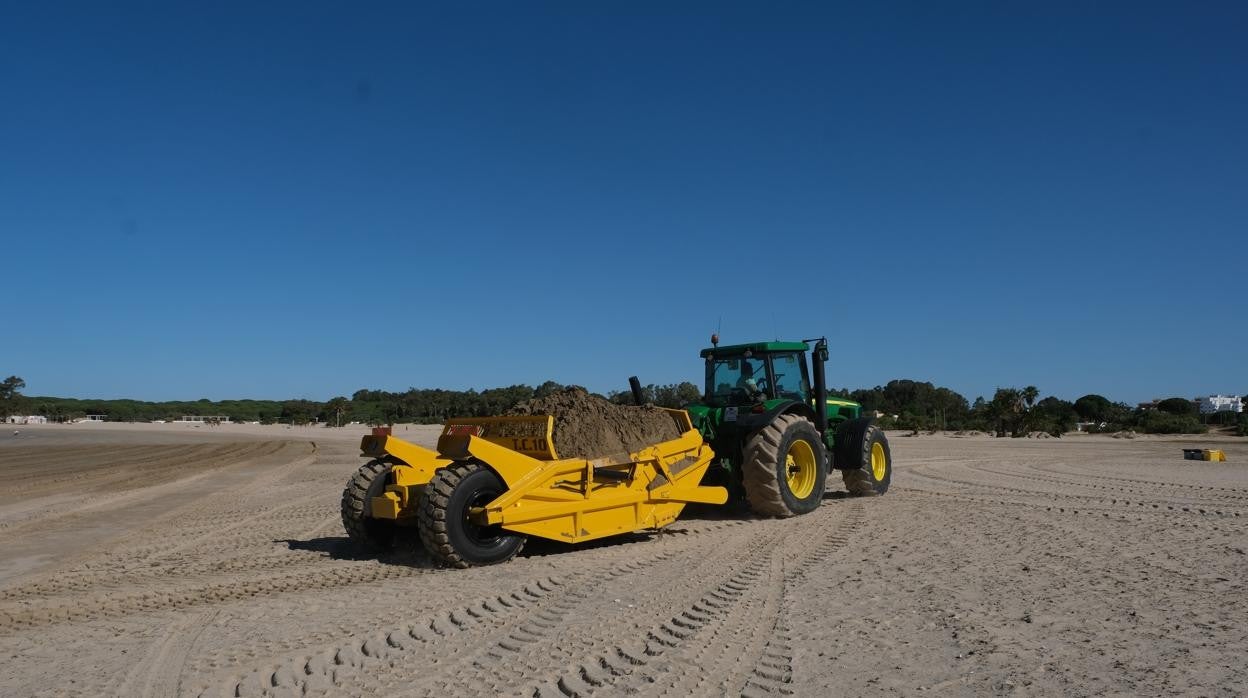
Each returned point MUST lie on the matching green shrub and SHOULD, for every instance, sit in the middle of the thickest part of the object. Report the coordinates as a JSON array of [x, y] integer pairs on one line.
[[1162, 423]]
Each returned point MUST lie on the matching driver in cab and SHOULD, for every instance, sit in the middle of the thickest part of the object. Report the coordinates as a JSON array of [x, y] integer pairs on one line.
[[747, 383]]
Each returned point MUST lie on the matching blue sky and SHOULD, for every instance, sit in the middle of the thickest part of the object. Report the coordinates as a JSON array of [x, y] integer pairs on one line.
[[303, 199]]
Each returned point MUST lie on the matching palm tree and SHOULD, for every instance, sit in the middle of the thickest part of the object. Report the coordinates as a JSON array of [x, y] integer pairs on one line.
[[1030, 393], [337, 406]]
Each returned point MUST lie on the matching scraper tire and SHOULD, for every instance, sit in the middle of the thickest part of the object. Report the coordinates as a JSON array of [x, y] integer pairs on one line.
[[375, 535], [445, 530], [785, 468]]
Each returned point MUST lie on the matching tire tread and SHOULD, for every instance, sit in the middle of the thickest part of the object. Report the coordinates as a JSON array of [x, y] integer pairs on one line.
[[432, 519], [760, 468], [354, 506]]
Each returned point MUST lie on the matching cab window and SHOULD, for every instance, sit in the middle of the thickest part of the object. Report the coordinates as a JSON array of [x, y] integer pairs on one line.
[[790, 375], [733, 380]]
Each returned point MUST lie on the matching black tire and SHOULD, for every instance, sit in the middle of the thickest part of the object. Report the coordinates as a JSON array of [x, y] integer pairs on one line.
[[445, 530], [767, 465], [860, 447], [376, 535]]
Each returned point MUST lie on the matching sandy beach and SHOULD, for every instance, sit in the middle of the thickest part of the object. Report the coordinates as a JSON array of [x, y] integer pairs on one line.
[[159, 560]]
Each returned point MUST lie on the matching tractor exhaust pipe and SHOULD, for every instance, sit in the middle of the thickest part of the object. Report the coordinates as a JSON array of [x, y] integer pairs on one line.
[[635, 385], [817, 359]]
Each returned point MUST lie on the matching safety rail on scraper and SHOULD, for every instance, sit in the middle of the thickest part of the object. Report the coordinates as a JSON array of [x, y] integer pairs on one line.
[[493, 481]]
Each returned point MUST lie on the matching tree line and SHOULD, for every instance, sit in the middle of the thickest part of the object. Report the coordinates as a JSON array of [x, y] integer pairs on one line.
[[907, 404], [901, 404]]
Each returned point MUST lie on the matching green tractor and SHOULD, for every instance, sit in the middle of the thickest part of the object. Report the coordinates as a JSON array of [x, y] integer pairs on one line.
[[776, 438]]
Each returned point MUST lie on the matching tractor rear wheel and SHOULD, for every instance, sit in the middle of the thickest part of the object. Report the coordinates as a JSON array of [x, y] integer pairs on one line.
[[377, 535], [783, 470], [863, 456], [445, 528]]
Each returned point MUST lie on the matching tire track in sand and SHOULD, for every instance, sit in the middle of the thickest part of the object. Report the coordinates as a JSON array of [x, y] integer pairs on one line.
[[108, 604], [159, 672], [472, 640], [697, 651]]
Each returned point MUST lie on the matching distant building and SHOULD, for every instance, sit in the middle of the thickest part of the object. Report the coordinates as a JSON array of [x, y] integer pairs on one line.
[[1220, 403], [28, 419], [1148, 406], [94, 418], [204, 419]]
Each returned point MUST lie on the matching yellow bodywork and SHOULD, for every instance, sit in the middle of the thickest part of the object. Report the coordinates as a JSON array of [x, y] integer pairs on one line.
[[1214, 454], [572, 499], [414, 469]]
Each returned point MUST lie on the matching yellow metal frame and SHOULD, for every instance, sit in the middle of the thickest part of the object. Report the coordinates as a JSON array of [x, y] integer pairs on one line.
[[528, 434], [572, 499], [414, 466]]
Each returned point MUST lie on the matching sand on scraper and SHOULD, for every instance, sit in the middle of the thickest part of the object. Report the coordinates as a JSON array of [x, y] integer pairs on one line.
[[587, 426]]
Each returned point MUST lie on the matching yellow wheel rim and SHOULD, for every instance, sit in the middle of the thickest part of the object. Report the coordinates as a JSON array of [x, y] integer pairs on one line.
[[879, 462], [801, 469]]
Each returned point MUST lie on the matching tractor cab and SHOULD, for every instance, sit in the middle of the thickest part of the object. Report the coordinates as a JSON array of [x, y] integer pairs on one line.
[[746, 374], [749, 385], [766, 412]]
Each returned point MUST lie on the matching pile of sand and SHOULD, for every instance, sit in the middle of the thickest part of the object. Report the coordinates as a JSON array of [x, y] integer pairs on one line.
[[587, 426]]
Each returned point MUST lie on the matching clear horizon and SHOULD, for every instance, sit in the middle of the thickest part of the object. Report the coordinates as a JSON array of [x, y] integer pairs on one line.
[[293, 201]]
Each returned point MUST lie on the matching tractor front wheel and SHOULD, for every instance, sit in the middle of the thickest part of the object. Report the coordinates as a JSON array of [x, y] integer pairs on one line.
[[376, 535], [784, 471], [864, 458], [445, 527]]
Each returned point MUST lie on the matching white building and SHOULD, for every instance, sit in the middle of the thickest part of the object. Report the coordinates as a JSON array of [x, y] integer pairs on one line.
[[1220, 403], [204, 419], [29, 419]]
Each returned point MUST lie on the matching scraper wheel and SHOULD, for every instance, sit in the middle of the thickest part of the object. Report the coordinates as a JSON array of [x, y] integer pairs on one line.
[[377, 535], [445, 529]]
